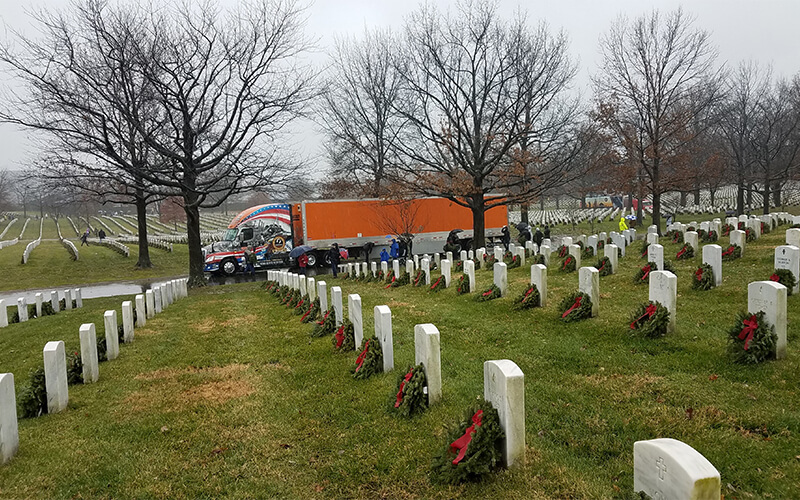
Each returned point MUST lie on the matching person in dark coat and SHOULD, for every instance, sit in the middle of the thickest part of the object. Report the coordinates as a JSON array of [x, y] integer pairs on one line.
[[506, 239], [546, 231], [368, 246], [538, 237], [334, 257], [101, 234], [402, 249]]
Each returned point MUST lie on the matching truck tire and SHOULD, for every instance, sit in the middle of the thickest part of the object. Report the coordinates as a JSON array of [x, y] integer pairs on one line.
[[228, 267], [312, 259]]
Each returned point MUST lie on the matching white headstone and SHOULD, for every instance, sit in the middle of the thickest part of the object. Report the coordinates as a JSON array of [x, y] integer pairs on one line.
[[374, 268], [471, 254], [670, 469], [150, 303], [619, 241], [302, 283], [141, 316], [322, 291], [546, 253], [449, 256], [655, 253], [38, 297], [127, 321], [364, 268], [480, 253], [157, 299], [164, 296], [498, 254], [112, 334], [383, 331], [575, 251], [738, 238], [416, 261], [793, 237], [469, 271], [311, 288], [652, 238], [539, 278], [788, 257], [755, 226], [55, 376], [426, 268], [3, 314], [427, 351], [463, 255], [770, 297], [521, 254], [410, 268], [78, 296], [504, 388], [396, 268], [589, 283], [338, 307], [354, 313], [664, 290], [91, 369], [705, 226], [54, 301], [384, 268], [437, 258], [548, 242], [592, 242], [446, 272], [169, 295], [566, 241], [612, 252], [712, 256], [501, 277], [22, 309], [652, 229], [9, 432], [691, 238]]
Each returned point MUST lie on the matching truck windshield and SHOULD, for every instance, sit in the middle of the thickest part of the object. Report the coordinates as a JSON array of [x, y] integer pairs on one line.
[[230, 234]]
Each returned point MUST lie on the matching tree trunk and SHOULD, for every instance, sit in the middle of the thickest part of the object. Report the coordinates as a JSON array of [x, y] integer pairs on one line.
[[776, 194], [523, 212], [657, 210], [749, 196], [557, 198], [478, 222], [141, 222], [711, 191], [740, 197], [541, 203], [766, 195], [697, 196], [196, 262], [683, 198]]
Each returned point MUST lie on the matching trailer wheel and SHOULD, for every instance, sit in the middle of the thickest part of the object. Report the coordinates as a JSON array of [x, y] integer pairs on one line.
[[312, 259], [228, 267]]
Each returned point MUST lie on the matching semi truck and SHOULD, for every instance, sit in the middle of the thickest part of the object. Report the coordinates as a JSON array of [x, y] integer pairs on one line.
[[359, 227]]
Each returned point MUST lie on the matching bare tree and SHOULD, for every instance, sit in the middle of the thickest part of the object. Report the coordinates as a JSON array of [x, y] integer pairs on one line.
[[658, 71], [359, 111], [482, 99]]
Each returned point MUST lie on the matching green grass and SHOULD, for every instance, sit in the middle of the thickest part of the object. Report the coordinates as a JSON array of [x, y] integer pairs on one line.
[[226, 395], [50, 265]]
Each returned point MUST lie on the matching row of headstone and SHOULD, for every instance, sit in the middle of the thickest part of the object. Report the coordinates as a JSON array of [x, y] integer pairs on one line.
[[41, 298], [55, 360]]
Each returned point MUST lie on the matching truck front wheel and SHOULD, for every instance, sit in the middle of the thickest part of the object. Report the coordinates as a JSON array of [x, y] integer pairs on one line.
[[228, 267], [312, 259]]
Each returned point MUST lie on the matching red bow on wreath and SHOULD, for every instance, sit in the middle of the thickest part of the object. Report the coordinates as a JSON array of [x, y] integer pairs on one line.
[[339, 337], [305, 315], [362, 356], [774, 277], [603, 265], [390, 284], [750, 327], [698, 275], [576, 305], [324, 318], [566, 262], [299, 304], [649, 311], [437, 283], [528, 292], [402, 386], [729, 251], [461, 443], [646, 270], [683, 251], [487, 293]]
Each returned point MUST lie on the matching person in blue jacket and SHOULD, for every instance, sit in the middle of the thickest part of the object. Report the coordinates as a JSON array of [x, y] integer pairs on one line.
[[394, 249], [384, 255]]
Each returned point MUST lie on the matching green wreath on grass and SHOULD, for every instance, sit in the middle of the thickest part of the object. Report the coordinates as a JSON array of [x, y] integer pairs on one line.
[[643, 250], [459, 267], [403, 280], [751, 339], [538, 259], [515, 262], [326, 326], [419, 278], [575, 307], [685, 253], [710, 236], [669, 267], [726, 229], [600, 245], [490, 293], [568, 264], [528, 299], [473, 449], [312, 313], [369, 360], [562, 251], [604, 266], [732, 252], [411, 396], [345, 338], [703, 278], [439, 284], [677, 236], [587, 252], [765, 229], [785, 277], [303, 305], [643, 274], [379, 276], [462, 286], [749, 235], [490, 260], [650, 320], [294, 299]]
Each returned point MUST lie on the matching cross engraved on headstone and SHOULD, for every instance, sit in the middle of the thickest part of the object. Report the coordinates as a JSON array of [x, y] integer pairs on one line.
[[662, 468]]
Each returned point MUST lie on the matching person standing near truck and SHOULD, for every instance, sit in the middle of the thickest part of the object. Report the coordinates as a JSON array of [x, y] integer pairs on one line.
[[506, 237], [333, 256], [302, 263]]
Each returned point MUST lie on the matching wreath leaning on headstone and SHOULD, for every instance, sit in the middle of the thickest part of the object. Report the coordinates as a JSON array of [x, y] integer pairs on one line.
[[562, 251], [568, 264], [312, 313], [294, 299], [473, 447], [600, 245], [575, 307], [587, 252], [687, 252], [668, 267], [404, 279], [604, 266], [515, 262], [32, 400], [751, 339], [643, 274], [462, 286], [538, 259], [749, 235], [643, 251], [726, 229], [419, 278], [650, 319], [369, 360], [439, 284], [732, 252], [490, 293], [326, 326], [345, 338], [785, 277], [710, 236], [765, 228], [527, 299], [703, 278], [459, 266], [411, 396], [303, 305]]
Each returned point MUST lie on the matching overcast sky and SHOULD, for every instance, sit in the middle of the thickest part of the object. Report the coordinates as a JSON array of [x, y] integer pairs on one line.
[[762, 30]]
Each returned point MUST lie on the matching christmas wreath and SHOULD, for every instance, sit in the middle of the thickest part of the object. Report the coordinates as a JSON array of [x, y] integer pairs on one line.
[[703, 278], [490, 293], [474, 447], [345, 338], [749, 235], [439, 284], [477, 263], [507, 256], [668, 267], [411, 396], [404, 279], [751, 340], [600, 245], [687, 252], [459, 265], [537, 259], [785, 277], [732, 252], [643, 252], [710, 236], [528, 253], [294, 299], [576, 307], [312, 313], [515, 262], [380, 277], [369, 360], [580, 244], [326, 326], [562, 251], [568, 264], [677, 236], [462, 286], [691, 228], [643, 274], [366, 277], [269, 286], [529, 298], [701, 234], [419, 278], [765, 229], [587, 252], [490, 260], [726, 229], [280, 291], [604, 266], [650, 319], [303, 305]]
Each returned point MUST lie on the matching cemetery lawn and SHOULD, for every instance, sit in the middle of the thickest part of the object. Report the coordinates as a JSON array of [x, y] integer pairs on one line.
[[50, 264], [225, 395]]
